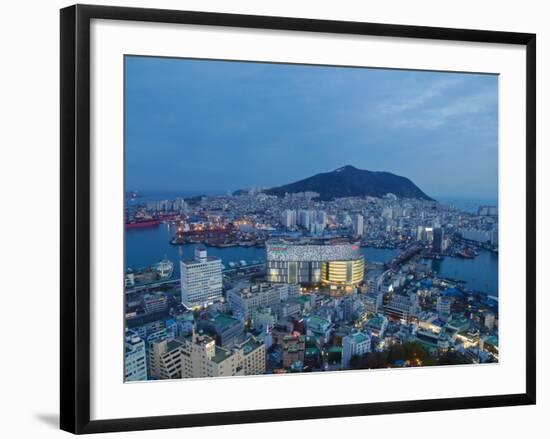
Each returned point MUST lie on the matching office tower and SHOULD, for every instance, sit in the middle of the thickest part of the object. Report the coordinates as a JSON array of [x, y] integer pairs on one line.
[[201, 279]]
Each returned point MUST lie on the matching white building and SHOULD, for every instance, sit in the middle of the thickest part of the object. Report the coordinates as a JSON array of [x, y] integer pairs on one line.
[[200, 357], [489, 321], [443, 305], [246, 299], [135, 364], [354, 344], [288, 218], [305, 218], [201, 279], [358, 225]]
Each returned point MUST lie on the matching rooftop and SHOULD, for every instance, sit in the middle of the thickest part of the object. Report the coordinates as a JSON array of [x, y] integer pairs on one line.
[[316, 322], [220, 355], [250, 345], [190, 262], [173, 344], [376, 321], [359, 337]]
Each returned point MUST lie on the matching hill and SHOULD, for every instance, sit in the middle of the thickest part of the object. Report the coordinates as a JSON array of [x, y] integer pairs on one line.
[[349, 181]]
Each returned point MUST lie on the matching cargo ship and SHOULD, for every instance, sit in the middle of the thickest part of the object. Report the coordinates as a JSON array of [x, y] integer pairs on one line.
[[142, 223]]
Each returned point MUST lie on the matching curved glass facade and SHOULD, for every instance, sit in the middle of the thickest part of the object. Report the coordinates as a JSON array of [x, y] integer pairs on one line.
[[343, 273]]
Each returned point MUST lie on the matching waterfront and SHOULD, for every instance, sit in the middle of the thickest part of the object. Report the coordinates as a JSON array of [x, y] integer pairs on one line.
[[146, 246]]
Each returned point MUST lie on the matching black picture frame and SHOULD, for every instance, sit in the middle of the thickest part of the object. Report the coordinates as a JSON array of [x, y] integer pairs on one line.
[[75, 217]]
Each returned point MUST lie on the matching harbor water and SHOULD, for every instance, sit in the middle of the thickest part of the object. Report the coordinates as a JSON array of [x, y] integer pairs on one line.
[[146, 246]]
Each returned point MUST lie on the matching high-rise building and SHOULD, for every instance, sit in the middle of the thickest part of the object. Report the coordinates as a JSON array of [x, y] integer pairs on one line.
[[201, 279], [288, 218], [321, 217], [135, 362], [438, 243], [443, 306], [357, 343], [305, 218], [489, 321], [428, 234], [420, 233], [358, 225]]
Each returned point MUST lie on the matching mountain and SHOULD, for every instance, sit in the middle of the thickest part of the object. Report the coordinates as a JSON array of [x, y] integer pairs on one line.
[[349, 181]]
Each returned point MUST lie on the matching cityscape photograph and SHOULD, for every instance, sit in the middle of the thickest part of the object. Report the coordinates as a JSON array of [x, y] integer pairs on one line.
[[291, 218]]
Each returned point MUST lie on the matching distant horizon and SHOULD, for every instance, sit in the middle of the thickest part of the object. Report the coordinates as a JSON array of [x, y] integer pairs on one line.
[[219, 126], [194, 193], [225, 191]]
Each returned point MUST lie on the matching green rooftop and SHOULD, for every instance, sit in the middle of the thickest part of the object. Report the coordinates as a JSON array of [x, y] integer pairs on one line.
[[224, 320], [220, 355], [251, 345], [173, 344], [316, 323], [376, 322]]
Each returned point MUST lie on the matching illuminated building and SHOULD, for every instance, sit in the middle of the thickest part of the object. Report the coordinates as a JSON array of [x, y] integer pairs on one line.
[[343, 273], [201, 279], [337, 264]]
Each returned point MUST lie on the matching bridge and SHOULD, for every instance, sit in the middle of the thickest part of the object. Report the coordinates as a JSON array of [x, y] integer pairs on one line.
[[403, 257]]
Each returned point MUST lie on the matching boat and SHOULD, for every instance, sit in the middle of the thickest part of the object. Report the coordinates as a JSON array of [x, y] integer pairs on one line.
[[164, 268], [142, 223]]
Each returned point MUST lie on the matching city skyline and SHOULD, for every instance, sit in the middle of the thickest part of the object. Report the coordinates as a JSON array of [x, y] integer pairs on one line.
[[425, 126]]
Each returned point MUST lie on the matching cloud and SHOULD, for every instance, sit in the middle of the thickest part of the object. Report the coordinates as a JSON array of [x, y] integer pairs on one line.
[[411, 101], [441, 103]]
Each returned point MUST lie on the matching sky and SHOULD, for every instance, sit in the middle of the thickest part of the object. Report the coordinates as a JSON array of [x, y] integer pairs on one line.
[[215, 126]]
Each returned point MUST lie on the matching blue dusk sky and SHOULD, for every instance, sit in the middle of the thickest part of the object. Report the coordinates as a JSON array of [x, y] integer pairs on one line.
[[216, 126]]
